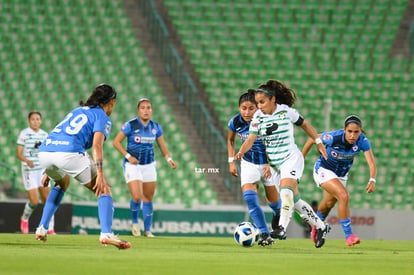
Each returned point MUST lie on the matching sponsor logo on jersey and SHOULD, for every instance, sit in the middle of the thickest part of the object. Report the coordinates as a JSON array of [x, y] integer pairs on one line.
[[140, 139], [56, 142]]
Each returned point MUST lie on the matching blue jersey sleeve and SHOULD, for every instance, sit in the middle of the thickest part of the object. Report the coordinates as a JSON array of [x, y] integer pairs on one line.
[[365, 144], [160, 132], [230, 125], [103, 125], [126, 128], [327, 138]]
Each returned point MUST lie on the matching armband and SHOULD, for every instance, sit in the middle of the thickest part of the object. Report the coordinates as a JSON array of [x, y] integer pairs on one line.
[[300, 121], [318, 140]]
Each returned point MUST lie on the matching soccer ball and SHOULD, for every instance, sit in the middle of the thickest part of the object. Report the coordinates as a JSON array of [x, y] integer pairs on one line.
[[246, 234]]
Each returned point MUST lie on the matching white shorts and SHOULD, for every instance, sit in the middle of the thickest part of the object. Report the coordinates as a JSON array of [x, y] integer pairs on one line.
[[76, 165], [32, 179], [252, 173], [324, 175], [293, 166], [143, 173]]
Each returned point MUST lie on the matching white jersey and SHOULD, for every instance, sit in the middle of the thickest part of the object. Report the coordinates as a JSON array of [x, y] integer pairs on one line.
[[277, 132], [31, 140]]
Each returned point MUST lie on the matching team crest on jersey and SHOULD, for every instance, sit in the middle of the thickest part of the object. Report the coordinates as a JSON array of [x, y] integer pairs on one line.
[[153, 131], [282, 115]]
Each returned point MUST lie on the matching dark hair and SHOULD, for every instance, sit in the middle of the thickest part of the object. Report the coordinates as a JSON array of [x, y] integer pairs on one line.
[[142, 100], [34, 113], [352, 119], [101, 95], [283, 94], [248, 96]]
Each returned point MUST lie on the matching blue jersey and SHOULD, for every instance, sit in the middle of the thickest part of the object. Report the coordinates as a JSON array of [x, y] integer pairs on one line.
[[141, 139], [340, 153], [257, 154], [75, 132]]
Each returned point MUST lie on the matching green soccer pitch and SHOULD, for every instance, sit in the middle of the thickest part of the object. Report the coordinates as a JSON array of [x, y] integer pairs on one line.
[[83, 254]]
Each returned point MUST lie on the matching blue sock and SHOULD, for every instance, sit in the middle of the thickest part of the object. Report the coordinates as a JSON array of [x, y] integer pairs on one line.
[[52, 203], [106, 213], [275, 206], [255, 210], [346, 227], [147, 211], [321, 216], [135, 207]]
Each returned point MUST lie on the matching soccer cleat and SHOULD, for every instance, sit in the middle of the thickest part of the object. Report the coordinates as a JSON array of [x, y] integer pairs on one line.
[[135, 230], [51, 232], [279, 233], [352, 240], [110, 238], [41, 234], [24, 226], [275, 222], [266, 240], [313, 234], [148, 234], [321, 235]]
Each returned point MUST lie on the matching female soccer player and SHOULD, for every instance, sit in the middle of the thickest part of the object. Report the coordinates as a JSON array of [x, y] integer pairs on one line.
[[28, 143], [139, 163], [273, 122], [331, 174], [63, 155], [254, 168]]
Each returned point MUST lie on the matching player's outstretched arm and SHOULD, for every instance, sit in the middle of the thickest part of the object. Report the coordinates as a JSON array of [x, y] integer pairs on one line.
[[246, 146]]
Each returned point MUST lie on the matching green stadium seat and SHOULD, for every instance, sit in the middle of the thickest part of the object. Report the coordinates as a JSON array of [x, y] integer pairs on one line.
[[64, 36]]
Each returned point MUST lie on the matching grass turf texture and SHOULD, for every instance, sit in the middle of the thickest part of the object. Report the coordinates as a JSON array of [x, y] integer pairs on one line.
[[82, 254]]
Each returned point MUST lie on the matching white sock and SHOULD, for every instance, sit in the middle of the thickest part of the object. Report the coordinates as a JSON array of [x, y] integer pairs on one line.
[[28, 210], [306, 212], [52, 223], [286, 209]]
